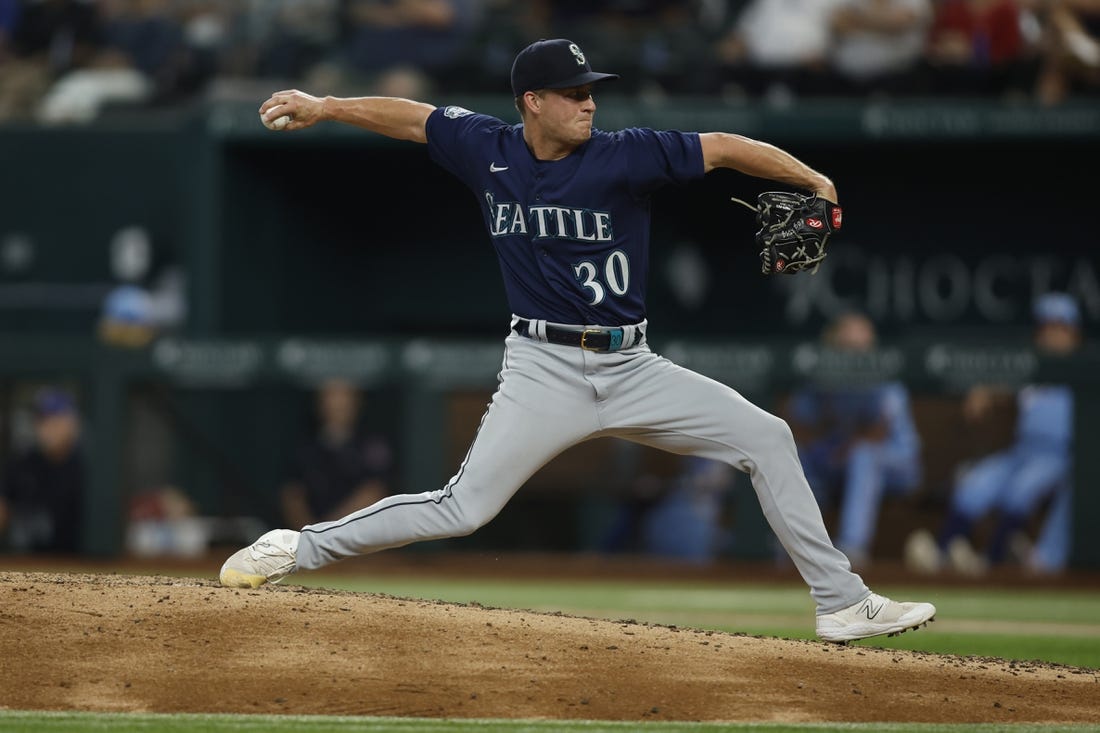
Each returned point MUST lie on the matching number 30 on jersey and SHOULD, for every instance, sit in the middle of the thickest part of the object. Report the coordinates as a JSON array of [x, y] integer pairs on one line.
[[613, 275]]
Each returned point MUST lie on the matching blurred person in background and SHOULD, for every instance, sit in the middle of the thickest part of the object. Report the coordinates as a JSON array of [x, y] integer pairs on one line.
[[9, 17], [673, 49], [9, 14], [678, 515], [288, 39], [90, 55], [47, 39], [404, 48], [338, 466], [157, 39], [658, 44], [1070, 50], [778, 49], [42, 494], [879, 45], [146, 36], [503, 25], [985, 47], [687, 522], [150, 298], [857, 442], [1029, 478]]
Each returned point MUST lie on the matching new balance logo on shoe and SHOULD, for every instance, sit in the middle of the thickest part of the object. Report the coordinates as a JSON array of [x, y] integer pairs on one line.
[[870, 610]]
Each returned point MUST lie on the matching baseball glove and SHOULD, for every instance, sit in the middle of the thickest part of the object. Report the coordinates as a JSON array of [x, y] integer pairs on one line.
[[794, 229]]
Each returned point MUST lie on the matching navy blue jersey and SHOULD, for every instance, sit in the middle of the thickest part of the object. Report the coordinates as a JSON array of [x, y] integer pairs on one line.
[[571, 235]]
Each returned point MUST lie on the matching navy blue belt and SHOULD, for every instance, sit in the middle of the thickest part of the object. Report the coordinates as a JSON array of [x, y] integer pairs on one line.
[[589, 339]]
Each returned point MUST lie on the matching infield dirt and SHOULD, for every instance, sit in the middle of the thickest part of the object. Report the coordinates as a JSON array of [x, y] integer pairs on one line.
[[148, 643]]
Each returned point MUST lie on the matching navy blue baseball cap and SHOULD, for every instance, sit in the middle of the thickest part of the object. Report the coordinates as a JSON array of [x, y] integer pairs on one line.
[[555, 63]]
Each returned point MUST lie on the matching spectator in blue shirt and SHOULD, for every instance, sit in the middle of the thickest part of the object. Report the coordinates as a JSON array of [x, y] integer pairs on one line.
[[1030, 476], [857, 442]]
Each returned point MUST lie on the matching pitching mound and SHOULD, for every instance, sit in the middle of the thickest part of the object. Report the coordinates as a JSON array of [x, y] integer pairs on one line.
[[160, 644]]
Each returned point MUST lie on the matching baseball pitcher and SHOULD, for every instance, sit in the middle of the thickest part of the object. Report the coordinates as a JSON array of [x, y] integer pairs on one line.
[[566, 208]]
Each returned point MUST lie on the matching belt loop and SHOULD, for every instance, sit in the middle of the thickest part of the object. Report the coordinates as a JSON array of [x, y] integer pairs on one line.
[[538, 330]]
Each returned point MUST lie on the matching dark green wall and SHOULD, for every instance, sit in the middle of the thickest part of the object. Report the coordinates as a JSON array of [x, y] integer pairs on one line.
[[69, 192]]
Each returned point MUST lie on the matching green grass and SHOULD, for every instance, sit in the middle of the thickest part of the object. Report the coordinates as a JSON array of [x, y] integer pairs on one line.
[[1061, 626], [145, 723]]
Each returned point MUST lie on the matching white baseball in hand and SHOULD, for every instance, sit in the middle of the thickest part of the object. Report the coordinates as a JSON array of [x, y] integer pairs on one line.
[[278, 123]]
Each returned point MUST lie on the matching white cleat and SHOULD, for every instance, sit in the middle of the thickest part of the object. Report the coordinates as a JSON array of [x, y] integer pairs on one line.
[[267, 560], [875, 615]]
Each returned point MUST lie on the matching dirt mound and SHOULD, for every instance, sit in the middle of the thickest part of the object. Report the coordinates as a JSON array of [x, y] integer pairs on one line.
[[162, 644]]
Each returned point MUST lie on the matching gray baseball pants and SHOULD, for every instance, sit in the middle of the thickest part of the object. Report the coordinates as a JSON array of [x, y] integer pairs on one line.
[[550, 397]]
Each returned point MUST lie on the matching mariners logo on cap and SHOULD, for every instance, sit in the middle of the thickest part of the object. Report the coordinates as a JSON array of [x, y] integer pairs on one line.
[[577, 54]]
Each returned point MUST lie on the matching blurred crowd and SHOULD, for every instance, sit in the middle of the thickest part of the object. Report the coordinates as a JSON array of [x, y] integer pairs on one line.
[[862, 445], [64, 60]]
